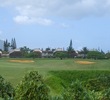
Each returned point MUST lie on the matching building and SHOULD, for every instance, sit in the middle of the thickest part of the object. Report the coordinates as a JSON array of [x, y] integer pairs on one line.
[[37, 53], [37, 50], [59, 50], [47, 54], [1, 44], [15, 53]]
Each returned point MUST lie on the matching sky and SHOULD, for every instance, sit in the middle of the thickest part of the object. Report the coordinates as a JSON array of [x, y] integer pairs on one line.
[[53, 23]]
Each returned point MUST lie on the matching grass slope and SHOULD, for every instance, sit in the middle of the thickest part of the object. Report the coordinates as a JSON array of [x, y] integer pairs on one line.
[[13, 71]]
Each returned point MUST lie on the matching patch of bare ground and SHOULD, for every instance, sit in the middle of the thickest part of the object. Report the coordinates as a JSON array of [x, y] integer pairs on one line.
[[22, 61], [85, 62]]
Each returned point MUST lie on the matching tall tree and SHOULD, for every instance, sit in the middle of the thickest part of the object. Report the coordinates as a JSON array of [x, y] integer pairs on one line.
[[47, 49], [13, 43], [70, 48], [24, 50], [6, 45], [71, 51], [85, 51]]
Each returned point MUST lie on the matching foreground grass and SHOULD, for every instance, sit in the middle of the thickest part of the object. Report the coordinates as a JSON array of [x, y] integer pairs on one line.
[[13, 72], [97, 79]]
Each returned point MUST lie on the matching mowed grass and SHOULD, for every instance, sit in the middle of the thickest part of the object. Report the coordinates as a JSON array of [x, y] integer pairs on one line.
[[14, 71]]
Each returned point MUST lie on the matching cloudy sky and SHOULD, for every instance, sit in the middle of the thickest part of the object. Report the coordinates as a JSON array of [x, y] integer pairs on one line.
[[52, 23]]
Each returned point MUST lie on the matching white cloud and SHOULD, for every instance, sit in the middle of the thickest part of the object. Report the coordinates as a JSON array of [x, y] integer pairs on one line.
[[22, 19], [30, 10], [84, 8], [27, 20], [64, 25], [44, 21]]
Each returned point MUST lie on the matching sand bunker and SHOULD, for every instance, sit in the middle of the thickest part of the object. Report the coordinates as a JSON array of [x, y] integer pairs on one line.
[[22, 61], [84, 62]]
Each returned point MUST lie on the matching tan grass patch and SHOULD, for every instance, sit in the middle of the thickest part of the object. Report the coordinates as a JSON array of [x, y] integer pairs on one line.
[[22, 61], [85, 62]]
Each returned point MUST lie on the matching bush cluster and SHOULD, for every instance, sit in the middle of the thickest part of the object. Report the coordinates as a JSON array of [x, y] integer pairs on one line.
[[33, 87]]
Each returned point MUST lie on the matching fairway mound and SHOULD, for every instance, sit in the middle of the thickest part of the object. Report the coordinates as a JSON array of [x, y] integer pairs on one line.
[[85, 62], [22, 61]]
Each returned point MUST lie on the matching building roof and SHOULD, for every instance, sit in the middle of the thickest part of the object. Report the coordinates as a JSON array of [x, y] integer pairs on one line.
[[47, 51], [58, 49], [14, 50]]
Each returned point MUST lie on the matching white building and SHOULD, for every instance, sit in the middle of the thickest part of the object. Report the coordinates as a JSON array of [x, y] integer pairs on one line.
[[47, 54], [14, 50], [37, 50], [1, 44], [59, 49]]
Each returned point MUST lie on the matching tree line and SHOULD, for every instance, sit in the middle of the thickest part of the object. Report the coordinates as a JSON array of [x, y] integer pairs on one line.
[[11, 44], [68, 53]]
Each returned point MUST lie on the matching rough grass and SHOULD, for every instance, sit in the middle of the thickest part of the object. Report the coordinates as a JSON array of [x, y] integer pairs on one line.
[[65, 78], [82, 75]]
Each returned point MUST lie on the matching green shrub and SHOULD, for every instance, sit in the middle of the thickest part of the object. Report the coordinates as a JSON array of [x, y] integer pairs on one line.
[[32, 87], [76, 91], [106, 94], [6, 89], [94, 84], [95, 55]]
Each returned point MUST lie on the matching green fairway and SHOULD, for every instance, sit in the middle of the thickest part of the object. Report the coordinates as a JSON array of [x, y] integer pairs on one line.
[[14, 71]]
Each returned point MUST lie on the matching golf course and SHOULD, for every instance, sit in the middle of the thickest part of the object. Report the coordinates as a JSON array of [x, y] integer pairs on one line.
[[14, 69], [54, 71]]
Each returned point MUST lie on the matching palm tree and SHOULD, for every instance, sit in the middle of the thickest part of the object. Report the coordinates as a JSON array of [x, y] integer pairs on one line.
[[6, 45]]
